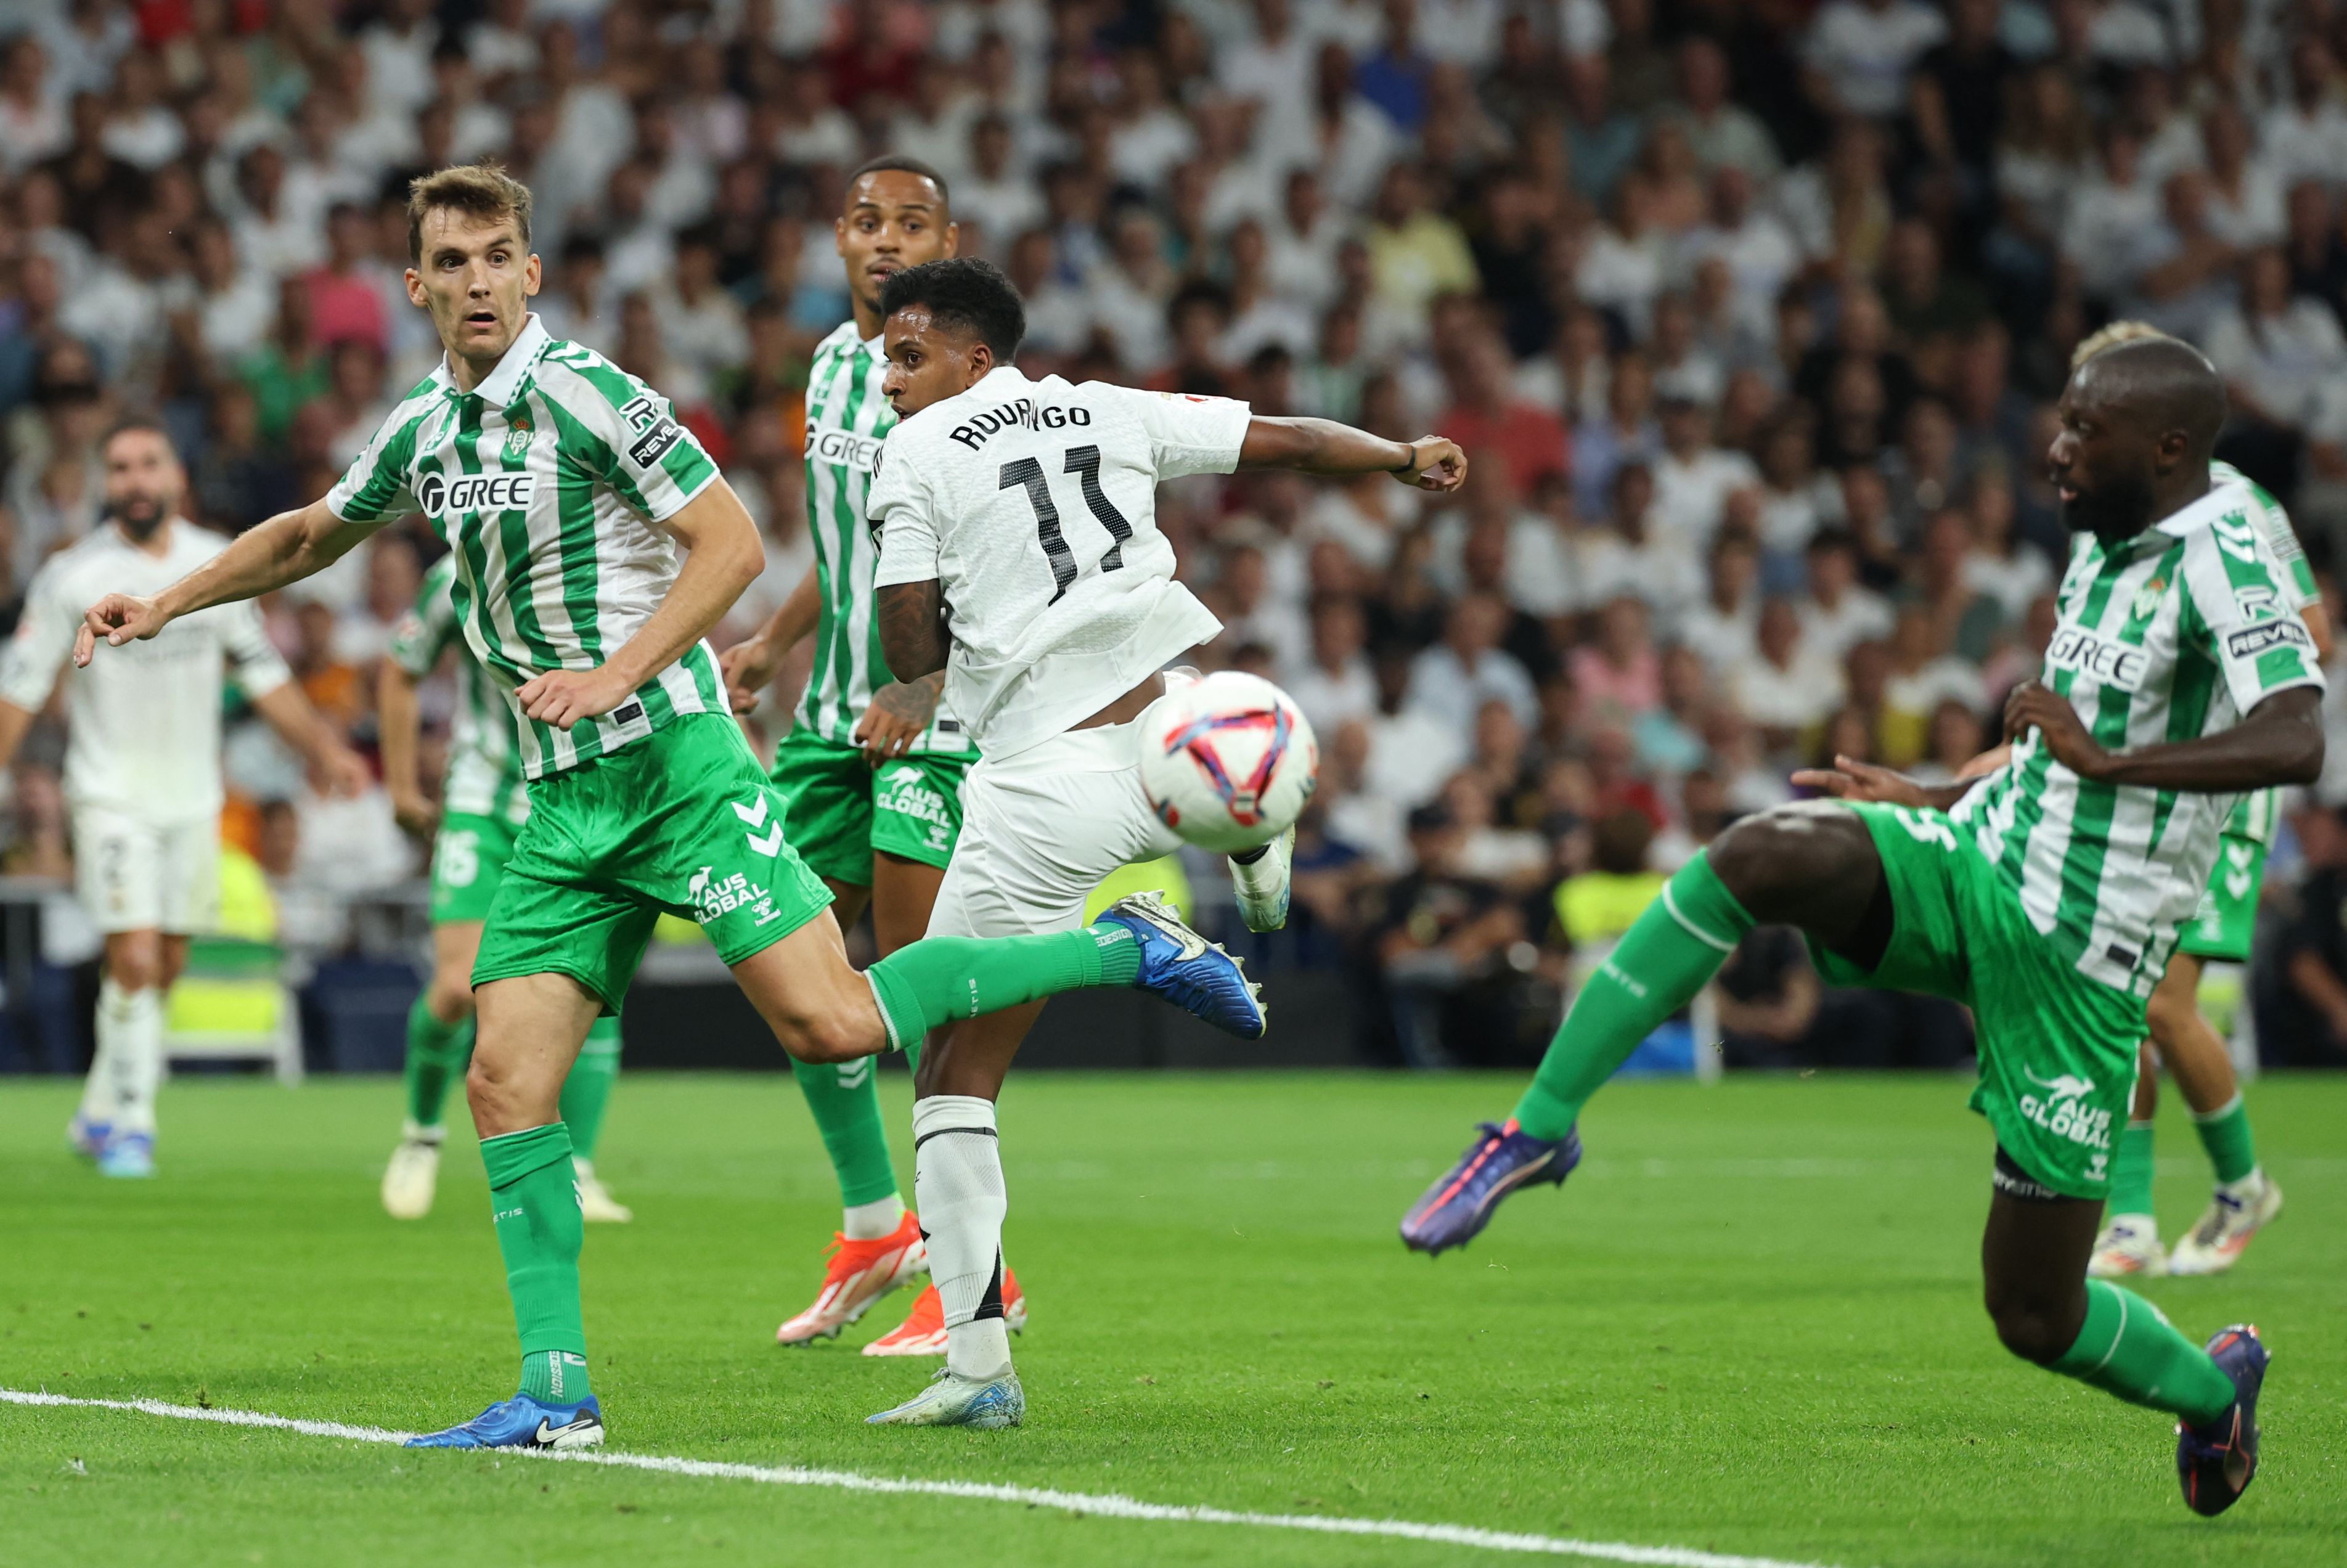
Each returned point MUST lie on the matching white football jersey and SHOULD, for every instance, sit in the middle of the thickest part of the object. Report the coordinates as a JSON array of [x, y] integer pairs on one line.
[[1035, 504], [143, 721]]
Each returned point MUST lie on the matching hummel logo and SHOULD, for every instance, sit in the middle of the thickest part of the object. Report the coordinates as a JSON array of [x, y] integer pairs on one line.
[[754, 813]]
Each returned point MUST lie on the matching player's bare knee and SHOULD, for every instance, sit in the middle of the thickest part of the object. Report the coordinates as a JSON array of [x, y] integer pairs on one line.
[[2035, 1328], [451, 998], [828, 1038], [2169, 1013], [1779, 856]]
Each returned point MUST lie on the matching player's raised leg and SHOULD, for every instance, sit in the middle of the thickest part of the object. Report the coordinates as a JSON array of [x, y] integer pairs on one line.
[[1811, 865], [2129, 1243], [531, 1027], [2033, 1268]]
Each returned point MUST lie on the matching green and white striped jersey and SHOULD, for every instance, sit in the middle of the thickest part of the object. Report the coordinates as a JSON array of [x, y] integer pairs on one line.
[[2168, 636], [846, 419], [2255, 817], [484, 745], [548, 481]]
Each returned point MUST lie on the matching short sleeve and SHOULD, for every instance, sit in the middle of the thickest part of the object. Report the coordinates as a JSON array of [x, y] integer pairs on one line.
[[378, 484], [423, 633], [2238, 602], [38, 651], [635, 442], [899, 508], [260, 668], [1190, 434], [2281, 539]]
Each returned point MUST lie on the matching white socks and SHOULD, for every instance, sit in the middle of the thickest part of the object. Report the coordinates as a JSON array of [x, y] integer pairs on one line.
[[872, 1221], [129, 1063], [957, 1186]]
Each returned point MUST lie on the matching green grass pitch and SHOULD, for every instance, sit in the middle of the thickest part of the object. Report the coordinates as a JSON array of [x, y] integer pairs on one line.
[[1748, 1324]]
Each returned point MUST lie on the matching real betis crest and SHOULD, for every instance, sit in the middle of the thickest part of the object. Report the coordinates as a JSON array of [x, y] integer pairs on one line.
[[2147, 597], [518, 438]]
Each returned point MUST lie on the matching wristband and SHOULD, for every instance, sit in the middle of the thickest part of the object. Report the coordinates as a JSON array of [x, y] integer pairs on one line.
[[1407, 464]]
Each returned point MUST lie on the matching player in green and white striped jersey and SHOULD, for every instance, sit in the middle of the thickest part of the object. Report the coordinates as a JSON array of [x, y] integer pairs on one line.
[[872, 770], [484, 801], [563, 486], [2245, 1199], [2046, 895]]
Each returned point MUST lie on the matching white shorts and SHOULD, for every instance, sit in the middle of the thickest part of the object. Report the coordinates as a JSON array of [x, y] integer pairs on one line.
[[138, 875], [1040, 830]]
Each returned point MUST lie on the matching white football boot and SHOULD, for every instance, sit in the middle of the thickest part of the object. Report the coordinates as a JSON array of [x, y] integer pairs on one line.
[[2127, 1248], [2240, 1210], [596, 1204], [414, 1173], [1261, 884]]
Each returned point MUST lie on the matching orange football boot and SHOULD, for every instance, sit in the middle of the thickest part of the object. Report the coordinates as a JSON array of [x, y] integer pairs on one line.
[[923, 1332], [859, 1273]]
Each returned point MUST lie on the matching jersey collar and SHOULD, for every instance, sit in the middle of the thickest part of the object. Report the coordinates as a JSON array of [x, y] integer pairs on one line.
[[498, 388], [2196, 515]]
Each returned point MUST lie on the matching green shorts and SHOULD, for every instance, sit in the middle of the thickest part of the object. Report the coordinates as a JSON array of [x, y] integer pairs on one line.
[[468, 860], [682, 823], [2227, 916], [2057, 1051], [841, 808]]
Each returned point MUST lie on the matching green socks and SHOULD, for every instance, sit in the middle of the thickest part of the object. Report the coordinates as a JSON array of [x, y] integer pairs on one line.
[[2128, 1350], [436, 1054], [536, 1210], [2225, 1134], [844, 1097], [1657, 968], [589, 1088], [940, 978], [2131, 1172]]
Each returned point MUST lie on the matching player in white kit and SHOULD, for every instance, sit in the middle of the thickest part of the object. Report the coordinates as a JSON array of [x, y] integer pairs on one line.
[[142, 766], [1019, 553]]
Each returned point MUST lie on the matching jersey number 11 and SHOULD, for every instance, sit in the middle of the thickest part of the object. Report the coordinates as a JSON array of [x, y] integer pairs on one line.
[[1084, 461]]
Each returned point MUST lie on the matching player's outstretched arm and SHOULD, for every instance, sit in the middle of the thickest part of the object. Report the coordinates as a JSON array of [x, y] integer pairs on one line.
[[286, 549], [723, 557], [2278, 742], [913, 634], [750, 664], [13, 721], [1325, 446]]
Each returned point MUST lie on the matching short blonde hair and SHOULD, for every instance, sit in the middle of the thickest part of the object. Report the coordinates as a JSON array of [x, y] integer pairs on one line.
[[483, 191], [2115, 334]]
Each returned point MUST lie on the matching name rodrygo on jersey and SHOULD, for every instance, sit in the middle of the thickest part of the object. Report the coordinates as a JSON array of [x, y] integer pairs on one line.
[[1034, 505]]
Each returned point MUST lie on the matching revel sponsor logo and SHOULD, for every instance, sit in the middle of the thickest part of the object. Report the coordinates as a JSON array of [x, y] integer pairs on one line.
[[438, 496], [2265, 636], [2112, 663], [656, 432]]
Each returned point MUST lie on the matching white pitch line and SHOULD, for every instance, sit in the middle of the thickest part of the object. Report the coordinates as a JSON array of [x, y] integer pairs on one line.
[[1105, 1505]]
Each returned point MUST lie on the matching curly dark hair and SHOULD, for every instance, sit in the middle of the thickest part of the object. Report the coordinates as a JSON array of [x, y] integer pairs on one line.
[[966, 295]]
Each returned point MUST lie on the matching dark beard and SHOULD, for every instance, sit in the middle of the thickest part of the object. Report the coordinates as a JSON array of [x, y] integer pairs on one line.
[[2121, 510], [140, 528]]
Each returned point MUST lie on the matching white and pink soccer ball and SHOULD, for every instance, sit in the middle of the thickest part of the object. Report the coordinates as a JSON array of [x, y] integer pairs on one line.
[[1228, 761]]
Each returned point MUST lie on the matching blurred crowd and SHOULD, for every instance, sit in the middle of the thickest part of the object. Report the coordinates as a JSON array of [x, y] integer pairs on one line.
[[1751, 313]]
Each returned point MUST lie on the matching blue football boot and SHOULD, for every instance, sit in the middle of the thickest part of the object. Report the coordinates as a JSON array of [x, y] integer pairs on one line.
[[1457, 1207], [1186, 970], [130, 1155], [522, 1422], [88, 1137], [954, 1400], [2217, 1461]]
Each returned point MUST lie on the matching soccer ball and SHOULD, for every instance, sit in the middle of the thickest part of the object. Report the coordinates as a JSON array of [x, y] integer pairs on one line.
[[1227, 761]]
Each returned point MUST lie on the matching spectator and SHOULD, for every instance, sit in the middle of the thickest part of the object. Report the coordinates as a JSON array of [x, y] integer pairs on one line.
[[1450, 681], [1792, 686]]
